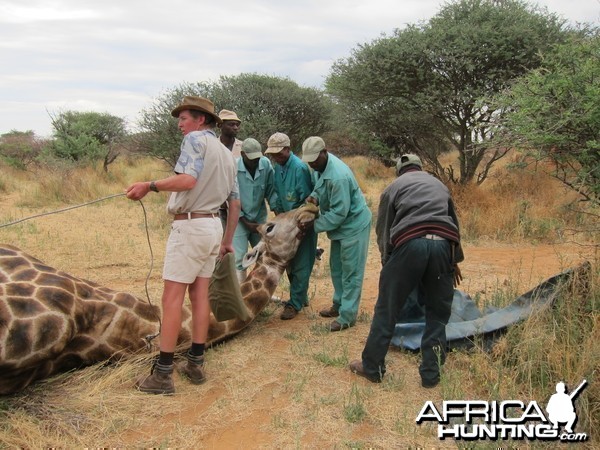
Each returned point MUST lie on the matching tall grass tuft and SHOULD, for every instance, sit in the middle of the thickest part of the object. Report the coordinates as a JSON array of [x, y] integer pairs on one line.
[[561, 344], [514, 205], [558, 343], [65, 184]]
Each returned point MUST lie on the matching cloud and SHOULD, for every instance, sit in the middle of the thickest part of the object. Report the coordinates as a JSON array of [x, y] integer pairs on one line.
[[117, 55], [23, 14]]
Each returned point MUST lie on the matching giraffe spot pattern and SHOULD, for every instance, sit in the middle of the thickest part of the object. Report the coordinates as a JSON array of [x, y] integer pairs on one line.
[[19, 289], [49, 330], [18, 340], [147, 312], [56, 299], [81, 322], [23, 307], [8, 251], [11, 264], [24, 275], [55, 280], [124, 300]]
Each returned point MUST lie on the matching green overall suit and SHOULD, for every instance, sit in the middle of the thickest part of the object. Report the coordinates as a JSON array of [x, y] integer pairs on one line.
[[346, 218], [293, 183]]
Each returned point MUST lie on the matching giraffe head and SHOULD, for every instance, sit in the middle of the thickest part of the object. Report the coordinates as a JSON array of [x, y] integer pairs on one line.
[[278, 245], [279, 236]]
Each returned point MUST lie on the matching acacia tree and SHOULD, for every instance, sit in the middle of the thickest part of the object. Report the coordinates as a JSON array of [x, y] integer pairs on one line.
[[553, 114], [87, 136], [20, 148], [419, 89], [265, 104]]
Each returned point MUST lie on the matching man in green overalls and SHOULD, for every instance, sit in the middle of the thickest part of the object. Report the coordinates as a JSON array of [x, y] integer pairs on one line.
[[255, 181], [293, 184], [346, 218]]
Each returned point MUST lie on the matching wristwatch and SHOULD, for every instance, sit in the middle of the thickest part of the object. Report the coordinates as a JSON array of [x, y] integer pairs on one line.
[[153, 186]]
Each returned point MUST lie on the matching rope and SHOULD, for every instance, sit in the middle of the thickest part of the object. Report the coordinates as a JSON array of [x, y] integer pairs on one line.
[[61, 210], [148, 338], [151, 337]]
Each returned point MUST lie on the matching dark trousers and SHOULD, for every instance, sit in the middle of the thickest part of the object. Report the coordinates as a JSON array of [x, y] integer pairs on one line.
[[419, 263]]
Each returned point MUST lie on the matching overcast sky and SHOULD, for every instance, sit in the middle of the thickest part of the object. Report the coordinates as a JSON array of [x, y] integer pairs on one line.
[[115, 56]]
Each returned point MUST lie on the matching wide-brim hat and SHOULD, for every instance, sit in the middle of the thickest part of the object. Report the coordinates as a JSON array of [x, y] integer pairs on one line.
[[197, 104], [225, 114]]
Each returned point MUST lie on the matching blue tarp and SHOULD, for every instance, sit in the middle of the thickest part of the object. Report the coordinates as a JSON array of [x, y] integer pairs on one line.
[[468, 324]]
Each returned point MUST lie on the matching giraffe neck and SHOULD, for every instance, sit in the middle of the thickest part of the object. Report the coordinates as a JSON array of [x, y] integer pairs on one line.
[[56, 322], [261, 283]]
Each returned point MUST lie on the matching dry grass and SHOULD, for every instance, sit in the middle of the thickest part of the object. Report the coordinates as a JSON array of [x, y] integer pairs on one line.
[[280, 385]]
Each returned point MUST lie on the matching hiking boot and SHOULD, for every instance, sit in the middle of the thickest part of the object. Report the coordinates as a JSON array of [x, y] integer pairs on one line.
[[356, 367], [329, 312], [192, 369], [289, 312], [160, 380], [336, 326]]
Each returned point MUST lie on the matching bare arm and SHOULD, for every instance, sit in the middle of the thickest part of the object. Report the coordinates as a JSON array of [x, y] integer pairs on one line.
[[174, 183], [233, 215]]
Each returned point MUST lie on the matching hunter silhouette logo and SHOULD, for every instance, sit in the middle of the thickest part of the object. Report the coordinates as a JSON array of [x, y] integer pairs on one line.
[[509, 419], [560, 406]]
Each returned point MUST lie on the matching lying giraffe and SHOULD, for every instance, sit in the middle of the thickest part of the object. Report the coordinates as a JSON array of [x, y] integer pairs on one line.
[[51, 321]]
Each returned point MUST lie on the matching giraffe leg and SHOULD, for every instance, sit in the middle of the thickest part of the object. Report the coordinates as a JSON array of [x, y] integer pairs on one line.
[[193, 368], [160, 381]]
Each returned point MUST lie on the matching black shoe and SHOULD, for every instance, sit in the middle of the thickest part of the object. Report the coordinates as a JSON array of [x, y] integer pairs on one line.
[[320, 252], [428, 384]]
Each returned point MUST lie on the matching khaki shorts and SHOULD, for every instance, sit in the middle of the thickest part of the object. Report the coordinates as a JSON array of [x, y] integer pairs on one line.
[[192, 249]]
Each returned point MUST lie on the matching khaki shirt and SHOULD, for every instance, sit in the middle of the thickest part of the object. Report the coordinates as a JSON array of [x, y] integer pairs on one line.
[[212, 164]]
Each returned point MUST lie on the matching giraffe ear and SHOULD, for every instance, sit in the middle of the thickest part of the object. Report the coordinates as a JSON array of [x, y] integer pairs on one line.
[[252, 256]]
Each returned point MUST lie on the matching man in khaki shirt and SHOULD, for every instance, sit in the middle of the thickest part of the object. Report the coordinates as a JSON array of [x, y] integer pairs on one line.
[[205, 178]]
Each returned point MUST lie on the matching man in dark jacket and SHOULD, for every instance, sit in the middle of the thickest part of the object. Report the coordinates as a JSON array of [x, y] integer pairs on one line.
[[419, 241]]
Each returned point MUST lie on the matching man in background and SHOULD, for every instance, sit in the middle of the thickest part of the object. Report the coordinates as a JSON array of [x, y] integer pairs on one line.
[[229, 126], [255, 180], [293, 184]]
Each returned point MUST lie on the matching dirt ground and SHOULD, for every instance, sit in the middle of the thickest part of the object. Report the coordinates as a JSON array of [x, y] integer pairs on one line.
[[484, 270], [268, 387]]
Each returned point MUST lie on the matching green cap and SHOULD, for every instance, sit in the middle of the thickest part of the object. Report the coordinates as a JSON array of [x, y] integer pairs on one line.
[[251, 147], [408, 160]]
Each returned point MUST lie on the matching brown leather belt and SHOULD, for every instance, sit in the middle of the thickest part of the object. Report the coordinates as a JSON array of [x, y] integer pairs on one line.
[[192, 215]]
